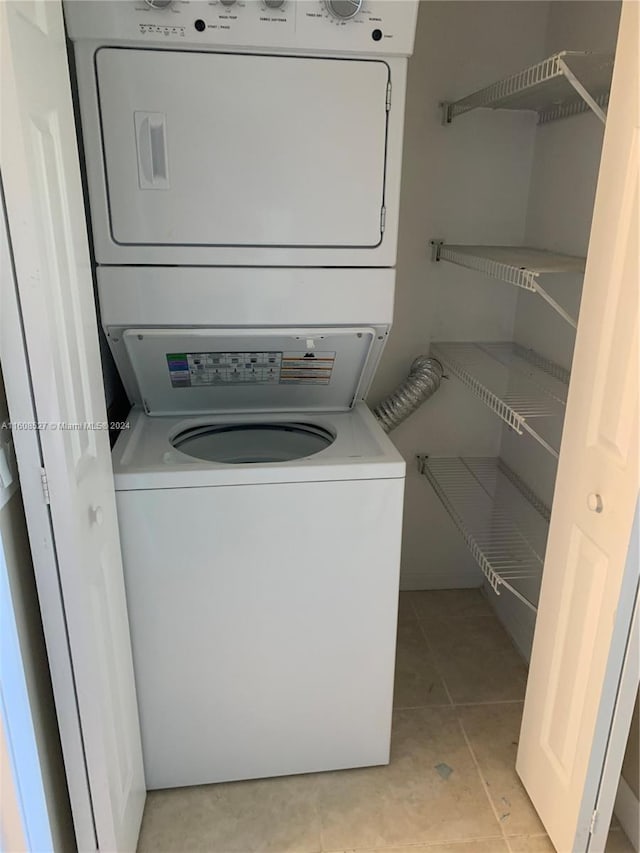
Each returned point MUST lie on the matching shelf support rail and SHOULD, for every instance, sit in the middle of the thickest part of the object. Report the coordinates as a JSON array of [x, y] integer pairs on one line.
[[555, 305], [494, 579], [524, 490], [498, 94], [571, 108], [503, 410], [582, 91], [518, 276]]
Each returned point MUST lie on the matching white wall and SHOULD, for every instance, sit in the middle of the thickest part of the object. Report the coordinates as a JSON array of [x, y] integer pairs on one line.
[[559, 211], [489, 177], [467, 182]]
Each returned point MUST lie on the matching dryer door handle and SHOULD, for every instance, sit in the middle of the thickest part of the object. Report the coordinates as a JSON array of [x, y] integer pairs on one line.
[[151, 144]]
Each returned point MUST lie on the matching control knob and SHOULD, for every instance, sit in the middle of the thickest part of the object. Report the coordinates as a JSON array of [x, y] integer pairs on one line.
[[159, 4], [228, 2], [274, 4], [344, 10]]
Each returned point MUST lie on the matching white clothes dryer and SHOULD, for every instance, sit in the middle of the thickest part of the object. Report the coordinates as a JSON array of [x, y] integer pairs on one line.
[[260, 513], [241, 132]]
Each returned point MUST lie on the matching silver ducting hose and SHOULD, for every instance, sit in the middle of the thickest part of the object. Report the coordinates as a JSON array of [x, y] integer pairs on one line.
[[423, 380]]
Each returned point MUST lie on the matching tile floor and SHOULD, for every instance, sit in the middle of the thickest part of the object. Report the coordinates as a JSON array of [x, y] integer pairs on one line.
[[451, 786]]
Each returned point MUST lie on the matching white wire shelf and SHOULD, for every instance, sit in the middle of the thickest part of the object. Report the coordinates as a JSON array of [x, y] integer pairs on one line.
[[523, 388], [504, 526], [560, 86], [518, 265]]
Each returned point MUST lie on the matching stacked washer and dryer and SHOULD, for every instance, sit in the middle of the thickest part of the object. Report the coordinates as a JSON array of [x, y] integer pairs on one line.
[[243, 167]]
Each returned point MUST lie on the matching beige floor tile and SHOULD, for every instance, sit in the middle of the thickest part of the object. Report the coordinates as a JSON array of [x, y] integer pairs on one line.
[[276, 815], [406, 612], [473, 652], [445, 609], [417, 683], [493, 731], [531, 844], [492, 845], [409, 802], [617, 842], [477, 660]]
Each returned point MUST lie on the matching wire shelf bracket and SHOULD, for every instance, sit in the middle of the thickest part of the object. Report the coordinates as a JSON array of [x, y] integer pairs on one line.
[[517, 265], [527, 391], [567, 83], [505, 530]]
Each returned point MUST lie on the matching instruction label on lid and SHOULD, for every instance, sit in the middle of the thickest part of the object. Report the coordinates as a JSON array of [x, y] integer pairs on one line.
[[197, 369], [307, 368]]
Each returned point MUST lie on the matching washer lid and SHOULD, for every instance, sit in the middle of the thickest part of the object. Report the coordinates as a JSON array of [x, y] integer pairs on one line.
[[191, 371]]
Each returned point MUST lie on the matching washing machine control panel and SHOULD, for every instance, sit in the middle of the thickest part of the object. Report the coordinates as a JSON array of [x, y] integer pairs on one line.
[[344, 10], [377, 27]]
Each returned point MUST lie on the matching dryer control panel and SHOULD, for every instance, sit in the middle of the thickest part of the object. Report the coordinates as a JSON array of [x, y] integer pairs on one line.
[[379, 27]]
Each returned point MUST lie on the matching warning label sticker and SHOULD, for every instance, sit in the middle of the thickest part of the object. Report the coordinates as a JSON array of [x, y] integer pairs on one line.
[[307, 368], [197, 369]]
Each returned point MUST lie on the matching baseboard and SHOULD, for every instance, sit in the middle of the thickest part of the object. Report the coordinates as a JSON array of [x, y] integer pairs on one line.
[[516, 618], [627, 810], [437, 580]]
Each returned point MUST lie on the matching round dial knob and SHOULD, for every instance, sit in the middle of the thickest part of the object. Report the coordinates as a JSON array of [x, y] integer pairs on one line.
[[274, 4], [158, 4], [344, 9], [227, 2]]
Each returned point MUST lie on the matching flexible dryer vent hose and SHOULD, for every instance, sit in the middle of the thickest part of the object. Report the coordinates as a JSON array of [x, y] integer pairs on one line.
[[423, 380]]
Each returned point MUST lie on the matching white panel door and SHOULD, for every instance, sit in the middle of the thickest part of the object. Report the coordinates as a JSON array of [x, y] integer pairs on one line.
[[209, 149], [587, 592], [47, 228]]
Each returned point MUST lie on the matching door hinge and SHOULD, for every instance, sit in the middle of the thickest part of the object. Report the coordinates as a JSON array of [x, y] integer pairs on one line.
[[383, 218], [388, 100], [594, 820], [45, 486]]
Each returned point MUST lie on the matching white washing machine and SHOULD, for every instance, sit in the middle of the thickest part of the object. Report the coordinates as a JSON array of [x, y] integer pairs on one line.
[[243, 132], [245, 155], [260, 512]]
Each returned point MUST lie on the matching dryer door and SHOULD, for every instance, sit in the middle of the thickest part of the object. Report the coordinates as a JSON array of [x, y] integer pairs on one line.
[[209, 149]]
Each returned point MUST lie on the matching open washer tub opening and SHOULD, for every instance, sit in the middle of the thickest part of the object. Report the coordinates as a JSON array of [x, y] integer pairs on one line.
[[241, 444]]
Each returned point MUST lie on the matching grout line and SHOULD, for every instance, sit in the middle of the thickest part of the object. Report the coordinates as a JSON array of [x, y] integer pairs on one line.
[[408, 845], [412, 606], [529, 835], [509, 838], [436, 665], [453, 704], [460, 705], [484, 784], [319, 813]]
